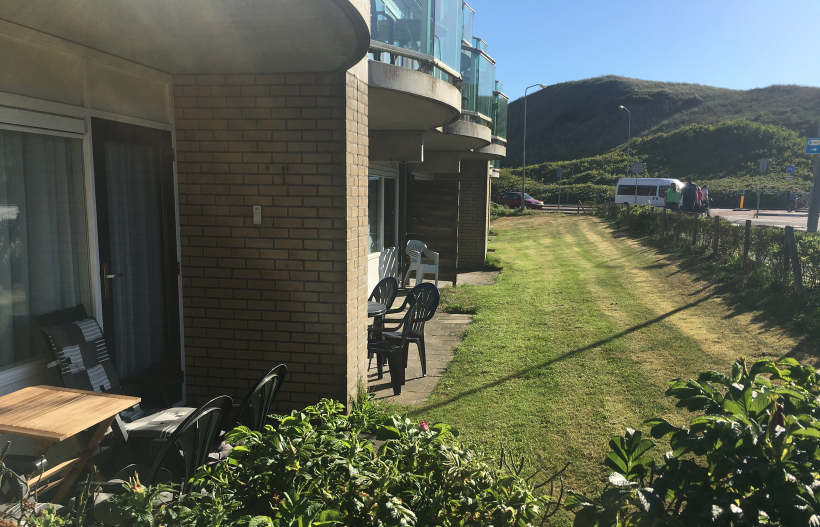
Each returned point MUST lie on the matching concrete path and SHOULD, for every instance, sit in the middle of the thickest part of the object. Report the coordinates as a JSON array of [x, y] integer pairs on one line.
[[441, 336]]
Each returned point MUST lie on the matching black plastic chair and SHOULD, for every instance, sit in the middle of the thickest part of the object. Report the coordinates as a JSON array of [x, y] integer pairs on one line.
[[385, 292], [176, 460], [394, 352], [254, 409], [426, 298]]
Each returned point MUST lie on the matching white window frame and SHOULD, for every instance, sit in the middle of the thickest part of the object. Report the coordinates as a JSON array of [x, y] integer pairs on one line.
[[32, 115], [384, 171]]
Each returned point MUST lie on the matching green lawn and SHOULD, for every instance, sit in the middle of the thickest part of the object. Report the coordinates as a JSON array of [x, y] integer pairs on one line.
[[576, 341]]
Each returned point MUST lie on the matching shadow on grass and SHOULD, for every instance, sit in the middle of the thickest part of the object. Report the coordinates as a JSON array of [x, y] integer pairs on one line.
[[565, 356], [771, 310]]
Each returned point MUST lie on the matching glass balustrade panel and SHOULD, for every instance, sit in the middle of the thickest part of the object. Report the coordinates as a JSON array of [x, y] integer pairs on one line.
[[500, 117], [447, 21], [407, 24], [467, 24], [486, 83], [469, 78]]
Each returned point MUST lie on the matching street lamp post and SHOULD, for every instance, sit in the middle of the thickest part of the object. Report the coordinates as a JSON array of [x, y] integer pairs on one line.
[[524, 160], [628, 140]]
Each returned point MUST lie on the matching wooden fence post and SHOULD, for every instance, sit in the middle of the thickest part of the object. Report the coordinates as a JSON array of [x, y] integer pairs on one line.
[[716, 237], [695, 232], [665, 219], [579, 207], [786, 253], [747, 241], [796, 270]]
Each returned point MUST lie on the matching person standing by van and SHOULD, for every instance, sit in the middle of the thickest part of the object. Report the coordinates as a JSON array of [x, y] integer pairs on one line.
[[689, 195], [704, 204], [672, 198]]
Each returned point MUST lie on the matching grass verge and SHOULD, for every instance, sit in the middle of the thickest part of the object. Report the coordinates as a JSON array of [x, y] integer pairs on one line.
[[576, 340]]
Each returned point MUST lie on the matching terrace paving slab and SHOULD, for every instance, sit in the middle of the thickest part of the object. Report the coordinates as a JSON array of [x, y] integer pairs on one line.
[[442, 334]]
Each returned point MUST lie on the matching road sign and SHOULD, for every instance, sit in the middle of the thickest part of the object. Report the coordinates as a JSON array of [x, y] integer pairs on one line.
[[790, 169], [560, 173], [637, 168], [764, 164], [742, 192], [789, 178], [813, 145]]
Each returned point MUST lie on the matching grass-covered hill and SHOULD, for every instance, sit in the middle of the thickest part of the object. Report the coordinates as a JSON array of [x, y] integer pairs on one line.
[[580, 119], [724, 156]]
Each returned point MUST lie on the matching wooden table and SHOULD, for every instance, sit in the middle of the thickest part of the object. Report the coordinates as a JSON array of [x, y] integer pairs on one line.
[[48, 415]]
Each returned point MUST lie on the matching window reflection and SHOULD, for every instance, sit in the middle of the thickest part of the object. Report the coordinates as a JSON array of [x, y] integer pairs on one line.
[[43, 236]]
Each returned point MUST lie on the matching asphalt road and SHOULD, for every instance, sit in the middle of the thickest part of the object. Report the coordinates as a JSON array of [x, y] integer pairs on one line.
[[776, 218]]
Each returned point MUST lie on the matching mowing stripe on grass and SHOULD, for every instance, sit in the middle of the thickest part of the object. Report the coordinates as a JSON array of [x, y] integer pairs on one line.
[[574, 342]]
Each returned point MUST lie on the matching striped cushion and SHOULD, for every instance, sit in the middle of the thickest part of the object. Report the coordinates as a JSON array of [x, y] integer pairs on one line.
[[84, 362], [160, 424]]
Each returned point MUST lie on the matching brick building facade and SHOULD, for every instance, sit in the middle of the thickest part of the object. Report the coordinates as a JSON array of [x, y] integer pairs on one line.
[[289, 290]]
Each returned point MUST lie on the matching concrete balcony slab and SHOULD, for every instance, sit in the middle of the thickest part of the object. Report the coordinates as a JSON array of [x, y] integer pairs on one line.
[[487, 153], [208, 36], [404, 99], [458, 136]]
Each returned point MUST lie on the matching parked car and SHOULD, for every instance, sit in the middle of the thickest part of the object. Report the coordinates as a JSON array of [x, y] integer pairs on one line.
[[513, 199]]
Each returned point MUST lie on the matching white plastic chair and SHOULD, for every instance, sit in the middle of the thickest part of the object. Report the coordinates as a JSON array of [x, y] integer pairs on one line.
[[415, 250]]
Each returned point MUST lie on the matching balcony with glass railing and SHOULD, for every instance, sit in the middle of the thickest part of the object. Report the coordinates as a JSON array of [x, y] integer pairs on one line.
[[478, 83], [467, 16], [422, 35], [500, 102]]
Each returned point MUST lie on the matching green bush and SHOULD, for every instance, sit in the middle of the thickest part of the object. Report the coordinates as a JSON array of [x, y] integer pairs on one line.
[[502, 211], [319, 466], [492, 262], [750, 456]]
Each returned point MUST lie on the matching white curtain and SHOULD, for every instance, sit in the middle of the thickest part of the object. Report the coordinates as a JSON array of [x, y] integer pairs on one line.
[[43, 236], [135, 220]]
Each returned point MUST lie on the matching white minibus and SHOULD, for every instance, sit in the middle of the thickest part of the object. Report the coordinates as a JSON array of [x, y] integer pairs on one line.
[[651, 191]]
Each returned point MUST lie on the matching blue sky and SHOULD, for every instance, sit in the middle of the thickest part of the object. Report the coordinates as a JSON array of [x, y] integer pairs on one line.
[[738, 44]]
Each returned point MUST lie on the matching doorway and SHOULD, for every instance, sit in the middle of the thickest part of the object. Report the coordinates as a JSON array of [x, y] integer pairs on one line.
[[138, 258]]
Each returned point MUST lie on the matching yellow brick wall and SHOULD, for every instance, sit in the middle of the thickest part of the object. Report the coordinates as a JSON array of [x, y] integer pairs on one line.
[[291, 290]]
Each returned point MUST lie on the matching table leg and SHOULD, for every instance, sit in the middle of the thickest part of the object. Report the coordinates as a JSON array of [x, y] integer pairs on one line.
[[84, 459], [41, 446]]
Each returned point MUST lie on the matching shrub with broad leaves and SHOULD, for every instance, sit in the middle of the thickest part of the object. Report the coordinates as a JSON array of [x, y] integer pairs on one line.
[[319, 467], [750, 457]]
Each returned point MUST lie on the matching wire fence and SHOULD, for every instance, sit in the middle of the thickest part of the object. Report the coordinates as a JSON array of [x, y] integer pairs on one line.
[[762, 250]]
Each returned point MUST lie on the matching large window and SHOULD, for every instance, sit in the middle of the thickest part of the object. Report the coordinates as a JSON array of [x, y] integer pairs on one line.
[[374, 203], [43, 236], [643, 190], [383, 195]]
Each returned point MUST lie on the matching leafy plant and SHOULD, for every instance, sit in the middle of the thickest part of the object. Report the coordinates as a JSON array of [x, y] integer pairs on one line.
[[320, 467], [750, 457]]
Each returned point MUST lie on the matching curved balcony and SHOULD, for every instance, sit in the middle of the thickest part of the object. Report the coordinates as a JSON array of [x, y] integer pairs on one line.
[[406, 99], [490, 152], [208, 36], [458, 136]]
